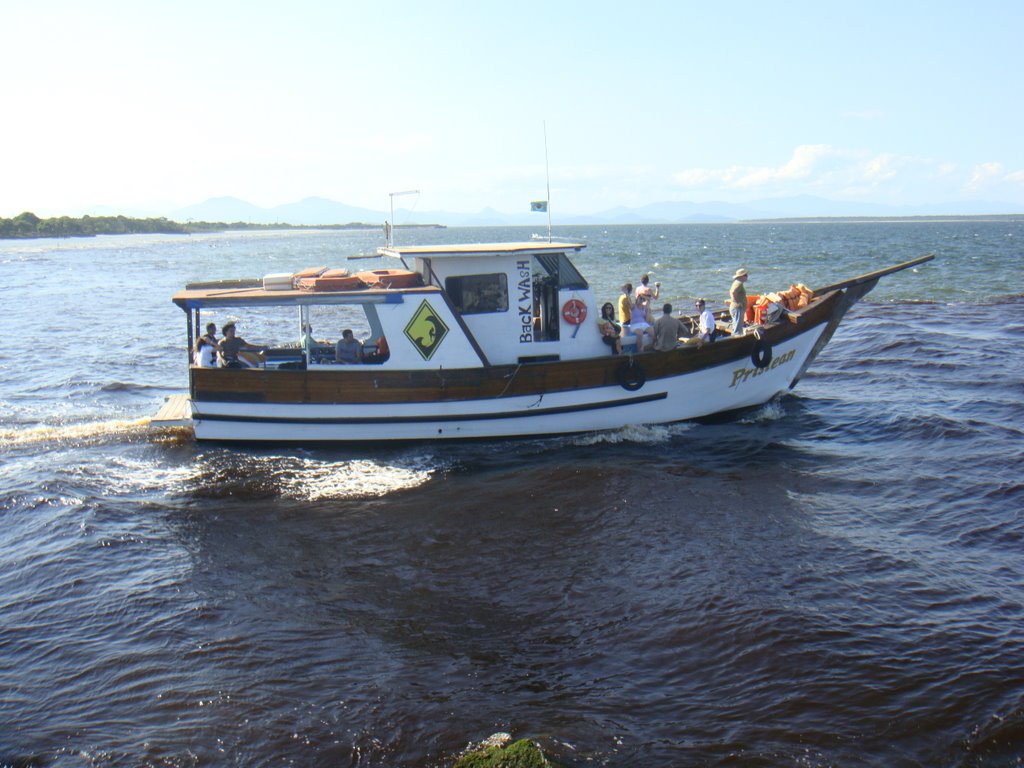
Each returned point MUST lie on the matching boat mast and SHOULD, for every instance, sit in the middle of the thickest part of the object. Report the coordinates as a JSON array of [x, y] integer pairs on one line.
[[390, 225]]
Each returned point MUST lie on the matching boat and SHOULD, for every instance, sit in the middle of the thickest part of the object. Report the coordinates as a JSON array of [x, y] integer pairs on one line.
[[483, 341]]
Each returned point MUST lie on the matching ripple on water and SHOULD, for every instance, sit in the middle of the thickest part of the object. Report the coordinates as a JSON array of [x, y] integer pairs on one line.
[[832, 579]]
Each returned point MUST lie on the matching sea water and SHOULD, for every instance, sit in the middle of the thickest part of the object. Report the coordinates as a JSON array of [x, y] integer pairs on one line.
[[831, 579]]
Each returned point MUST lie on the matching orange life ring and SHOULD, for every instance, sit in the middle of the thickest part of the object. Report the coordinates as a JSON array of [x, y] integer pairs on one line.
[[391, 278], [574, 312]]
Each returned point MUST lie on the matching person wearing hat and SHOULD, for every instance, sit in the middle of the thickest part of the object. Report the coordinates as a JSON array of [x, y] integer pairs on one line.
[[738, 301]]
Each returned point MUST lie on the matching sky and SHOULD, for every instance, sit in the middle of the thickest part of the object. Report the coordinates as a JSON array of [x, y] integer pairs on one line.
[[151, 105]]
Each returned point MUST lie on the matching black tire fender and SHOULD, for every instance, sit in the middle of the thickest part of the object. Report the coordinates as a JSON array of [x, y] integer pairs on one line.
[[631, 375], [761, 356]]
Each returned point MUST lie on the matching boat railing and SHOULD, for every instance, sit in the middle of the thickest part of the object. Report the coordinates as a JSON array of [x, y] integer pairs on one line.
[[873, 275]]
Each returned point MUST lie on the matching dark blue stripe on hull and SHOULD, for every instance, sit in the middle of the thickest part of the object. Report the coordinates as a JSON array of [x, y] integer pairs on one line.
[[425, 419]]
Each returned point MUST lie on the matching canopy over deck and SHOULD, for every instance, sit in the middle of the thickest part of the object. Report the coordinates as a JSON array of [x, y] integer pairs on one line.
[[257, 296]]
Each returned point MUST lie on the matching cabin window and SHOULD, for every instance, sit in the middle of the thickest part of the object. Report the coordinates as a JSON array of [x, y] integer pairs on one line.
[[477, 294], [563, 271]]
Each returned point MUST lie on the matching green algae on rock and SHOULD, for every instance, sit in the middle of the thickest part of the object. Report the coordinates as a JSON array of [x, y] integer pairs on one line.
[[518, 754]]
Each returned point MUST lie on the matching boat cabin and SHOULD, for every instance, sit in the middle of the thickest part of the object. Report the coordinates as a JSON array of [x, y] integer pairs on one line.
[[453, 306]]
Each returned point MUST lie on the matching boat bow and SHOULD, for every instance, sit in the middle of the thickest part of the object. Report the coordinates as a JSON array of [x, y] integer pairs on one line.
[[853, 291]]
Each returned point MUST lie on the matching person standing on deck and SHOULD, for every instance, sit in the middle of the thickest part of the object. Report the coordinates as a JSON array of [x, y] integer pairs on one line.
[[626, 306], [738, 301]]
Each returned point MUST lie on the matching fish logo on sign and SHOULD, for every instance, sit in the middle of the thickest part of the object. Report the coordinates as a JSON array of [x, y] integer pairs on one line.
[[426, 330]]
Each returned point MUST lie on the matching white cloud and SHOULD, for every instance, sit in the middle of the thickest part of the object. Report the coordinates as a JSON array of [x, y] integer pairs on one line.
[[992, 179], [824, 169], [881, 168], [982, 175], [806, 163]]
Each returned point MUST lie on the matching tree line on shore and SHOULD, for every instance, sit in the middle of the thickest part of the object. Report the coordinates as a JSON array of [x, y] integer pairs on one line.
[[28, 225]]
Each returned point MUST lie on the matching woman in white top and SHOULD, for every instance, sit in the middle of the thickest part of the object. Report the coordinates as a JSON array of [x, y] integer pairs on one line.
[[205, 355], [640, 322]]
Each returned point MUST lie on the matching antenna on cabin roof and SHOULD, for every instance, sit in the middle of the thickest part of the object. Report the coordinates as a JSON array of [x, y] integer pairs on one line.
[[547, 178], [545, 204], [389, 225]]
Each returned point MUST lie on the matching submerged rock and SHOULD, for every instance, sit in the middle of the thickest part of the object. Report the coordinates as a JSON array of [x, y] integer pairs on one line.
[[499, 751]]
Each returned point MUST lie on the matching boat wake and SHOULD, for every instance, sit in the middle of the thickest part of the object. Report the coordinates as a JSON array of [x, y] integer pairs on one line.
[[306, 478], [90, 432], [324, 480]]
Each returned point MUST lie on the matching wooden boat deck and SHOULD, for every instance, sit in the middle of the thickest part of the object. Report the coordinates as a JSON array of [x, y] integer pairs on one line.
[[175, 412]]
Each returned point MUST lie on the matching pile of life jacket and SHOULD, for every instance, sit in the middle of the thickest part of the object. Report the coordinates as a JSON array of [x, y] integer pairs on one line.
[[760, 309]]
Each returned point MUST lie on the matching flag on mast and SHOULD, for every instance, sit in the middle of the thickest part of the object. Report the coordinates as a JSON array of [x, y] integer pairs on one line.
[[539, 205]]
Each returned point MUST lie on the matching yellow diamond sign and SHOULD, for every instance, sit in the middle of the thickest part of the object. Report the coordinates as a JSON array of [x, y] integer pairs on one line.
[[426, 330]]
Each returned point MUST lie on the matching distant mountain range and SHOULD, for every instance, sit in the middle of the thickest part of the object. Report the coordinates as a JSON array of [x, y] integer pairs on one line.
[[312, 210], [319, 210]]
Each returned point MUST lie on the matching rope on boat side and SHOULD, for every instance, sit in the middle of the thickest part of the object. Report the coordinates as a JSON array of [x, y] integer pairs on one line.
[[511, 377]]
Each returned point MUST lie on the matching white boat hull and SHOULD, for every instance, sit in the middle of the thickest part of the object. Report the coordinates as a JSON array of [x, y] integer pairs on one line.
[[717, 389]]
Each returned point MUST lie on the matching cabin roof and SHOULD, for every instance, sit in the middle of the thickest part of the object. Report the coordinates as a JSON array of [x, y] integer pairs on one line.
[[478, 249], [250, 292], [256, 295]]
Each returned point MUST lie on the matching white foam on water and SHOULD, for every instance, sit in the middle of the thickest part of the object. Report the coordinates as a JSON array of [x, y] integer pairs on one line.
[[294, 477], [68, 433], [125, 475], [317, 480], [635, 433], [770, 411], [304, 478]]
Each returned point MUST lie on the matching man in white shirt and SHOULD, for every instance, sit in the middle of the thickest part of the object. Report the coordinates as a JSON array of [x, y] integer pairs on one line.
[[706, 329]]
